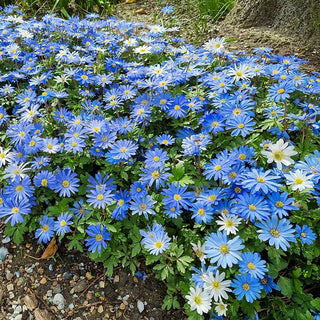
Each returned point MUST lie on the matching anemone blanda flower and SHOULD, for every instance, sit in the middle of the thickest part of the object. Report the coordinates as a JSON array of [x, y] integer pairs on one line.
[[280, 153], [97, 237], [299, 180], [199, 300]]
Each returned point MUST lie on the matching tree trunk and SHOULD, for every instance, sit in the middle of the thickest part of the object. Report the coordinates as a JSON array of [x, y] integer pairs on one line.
[[298, 18]]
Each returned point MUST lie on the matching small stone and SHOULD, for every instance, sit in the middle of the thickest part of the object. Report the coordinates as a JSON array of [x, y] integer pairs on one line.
[[20, 282], [1, 293], [135, 279], [59, 301], [122, 306], [6, 240], [42, 314], [89, 296], [116, 279], [101, 284], [89, 276], [54, 283], [9, 276], [10, 287], [28, 245], [50, 267], [49, 293], [11, 295], [57, 288], [100, 309], [67, 275], [43, 281], [41, 270], [80, 286], [140, 306], [30, 301], [18, 317], [3, 253]]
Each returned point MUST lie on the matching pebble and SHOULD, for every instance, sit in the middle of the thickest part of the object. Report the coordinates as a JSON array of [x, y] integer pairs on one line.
[[6, 240], [140, 306], [49, 293], [101, 284], [43, 281], [9, 276], [79, 287], [3, 253], [50, 267], [57, 288], [67, 275], [59, 301], [18, 317], [30, 301], [116, 279], [100, 309], [10, 287]]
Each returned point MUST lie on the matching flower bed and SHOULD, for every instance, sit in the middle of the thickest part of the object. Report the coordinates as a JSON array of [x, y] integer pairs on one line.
[[130, 143]]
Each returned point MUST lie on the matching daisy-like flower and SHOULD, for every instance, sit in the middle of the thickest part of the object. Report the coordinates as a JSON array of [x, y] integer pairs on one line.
[[62, 225], [215, 45], [240, 72], [98, 237], [229, 223], [217, 286], [66, 183], [199, 300], [252, 264], [280, 153], [142, 49], [277, 232], [14, 169], [5, 156], [156, 242], [299, 180], [199, 250], [222, 250], [221, 308], [46, 230]]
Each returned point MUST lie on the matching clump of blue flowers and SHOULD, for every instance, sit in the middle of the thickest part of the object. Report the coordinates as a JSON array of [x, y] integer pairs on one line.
[[202, 163]]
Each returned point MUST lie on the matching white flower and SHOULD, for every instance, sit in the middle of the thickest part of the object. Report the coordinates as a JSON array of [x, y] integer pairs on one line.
[[199, 250], [199, 300], [221, 308], [280, 153], [241, 72], [215, 285], [142, 49], [299, 180], [5, 156], [229, 223], [14, 169], [215, 45]]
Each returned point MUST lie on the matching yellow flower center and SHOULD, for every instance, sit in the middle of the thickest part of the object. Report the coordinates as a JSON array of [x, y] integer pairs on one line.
[[99, 237], [261, 179], [242, 156], [275, 233], [176, 107], [229, 223], [298, 181], [158, 244], [214, 123], [120, 202], [240, 125], [216, 285], [303, 234], [251, 266], [15, 210], [19, 188], [212, 197], [66, 183], [45, 228], [279, 204], [142, 206], [177, 197], [100, 196], [280, 91], [245, 287], [252, 207], [156, 158], [278, 155], [32, 143], [63, 223], [224, 249], [201, 212], [217, 167], [155, 174], [44, 182]]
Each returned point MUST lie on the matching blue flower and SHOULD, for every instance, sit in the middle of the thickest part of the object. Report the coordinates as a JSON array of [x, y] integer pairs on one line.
[[246, 286], [19, 189], [257, 180], [45, 179], [199, 274], [98, 237], [100, 197], [14, 209], [280, 204], [167, 9], [252, 264], [142, 205], [66, 183], [156, 241], [61, 226], [155, 158], [46, 230], [78, 209], [202, 212], [268, 284], [151, 175], [280, 91], [251, 207], [177, 196], [242, 125], [278, 232], [123, 201], [122, 150], [305, 234], [222, 250]]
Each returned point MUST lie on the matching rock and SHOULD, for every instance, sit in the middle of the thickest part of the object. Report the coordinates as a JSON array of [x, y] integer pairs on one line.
[[67, 275], [30, 301], [10, 287], [6, 240], [101, 284], [43, 281], [3, 253], [57, 289], [122, 306], [140, 306], [9, 276], [59, 301], [100, 309], [80, 286], [18, 317], [116, 279], [42, 314], [1, 293]]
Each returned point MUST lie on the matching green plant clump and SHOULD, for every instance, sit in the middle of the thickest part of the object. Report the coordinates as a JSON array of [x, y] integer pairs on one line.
[[134, 146]]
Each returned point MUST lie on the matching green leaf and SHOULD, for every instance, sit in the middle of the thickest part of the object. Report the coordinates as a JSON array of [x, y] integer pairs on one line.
[[136, 250], [316, 303], [286, 286], [18, 237]]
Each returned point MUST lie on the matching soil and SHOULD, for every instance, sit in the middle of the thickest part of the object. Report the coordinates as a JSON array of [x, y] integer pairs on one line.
[[28, 286], [196, 29]]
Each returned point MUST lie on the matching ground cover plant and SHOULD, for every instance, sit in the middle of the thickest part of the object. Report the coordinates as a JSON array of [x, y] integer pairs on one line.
[[137, 146]]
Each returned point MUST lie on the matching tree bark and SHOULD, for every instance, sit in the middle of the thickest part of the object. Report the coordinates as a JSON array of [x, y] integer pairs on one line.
[[299, 18]]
